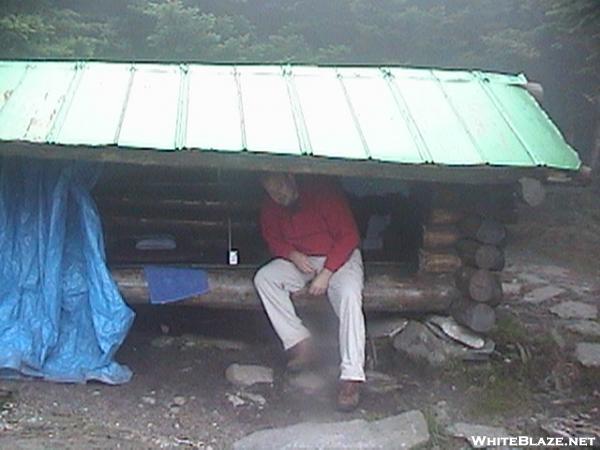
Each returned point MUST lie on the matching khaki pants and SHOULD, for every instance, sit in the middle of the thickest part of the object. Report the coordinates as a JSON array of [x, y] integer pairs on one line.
[[277, 279]]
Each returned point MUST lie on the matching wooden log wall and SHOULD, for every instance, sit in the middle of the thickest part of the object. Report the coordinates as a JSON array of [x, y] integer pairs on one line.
[[194, 209], [464, 234]]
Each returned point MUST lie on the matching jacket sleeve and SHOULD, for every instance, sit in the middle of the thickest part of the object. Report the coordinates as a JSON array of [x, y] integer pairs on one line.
[[271, 232], [342, 227]]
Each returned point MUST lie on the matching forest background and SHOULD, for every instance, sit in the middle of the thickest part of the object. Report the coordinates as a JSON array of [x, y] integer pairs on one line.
[[554, 42]]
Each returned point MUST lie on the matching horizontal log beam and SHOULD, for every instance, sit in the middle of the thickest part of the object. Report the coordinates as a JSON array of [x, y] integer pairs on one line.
[[432, 261], [153, 203], [442, 216], [440, 236], [188, 159], [386, 289], [174, 223]]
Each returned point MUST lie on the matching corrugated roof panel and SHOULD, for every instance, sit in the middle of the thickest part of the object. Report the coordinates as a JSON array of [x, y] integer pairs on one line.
[[329, 122], [404, 115], [384, 128], [532, 126], [151, 110], [268, 118], [33, 107], [94, 119], [11, 75], [213, 111], [496, 141], [439, 126]]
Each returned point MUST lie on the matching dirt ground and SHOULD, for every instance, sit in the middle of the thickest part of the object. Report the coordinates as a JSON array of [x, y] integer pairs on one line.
[[180, 398]]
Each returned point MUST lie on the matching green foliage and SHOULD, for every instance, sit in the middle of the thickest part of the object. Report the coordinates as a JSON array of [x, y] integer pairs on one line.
[[60, 33]]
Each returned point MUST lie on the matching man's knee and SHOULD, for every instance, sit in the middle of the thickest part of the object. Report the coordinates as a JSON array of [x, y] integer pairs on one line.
[[270, 273], [349, 295], [262, 277]]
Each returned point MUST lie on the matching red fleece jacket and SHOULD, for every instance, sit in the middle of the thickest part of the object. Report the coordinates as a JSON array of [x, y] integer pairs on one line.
[[320, 223]]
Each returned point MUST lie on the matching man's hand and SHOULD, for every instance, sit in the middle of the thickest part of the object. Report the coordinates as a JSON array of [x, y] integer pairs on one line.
[[319, 284], [302, 262]]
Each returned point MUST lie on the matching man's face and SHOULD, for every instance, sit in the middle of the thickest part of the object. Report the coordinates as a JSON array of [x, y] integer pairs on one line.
[[281, 188]]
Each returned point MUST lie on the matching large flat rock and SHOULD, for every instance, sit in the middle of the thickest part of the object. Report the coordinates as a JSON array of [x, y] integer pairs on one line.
[[403, 431], [585, 327], [247, 375], [588, 354], [543, 294], [575, 310]]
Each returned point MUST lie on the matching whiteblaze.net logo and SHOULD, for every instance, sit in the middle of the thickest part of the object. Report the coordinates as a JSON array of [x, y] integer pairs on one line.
[[528, 441]]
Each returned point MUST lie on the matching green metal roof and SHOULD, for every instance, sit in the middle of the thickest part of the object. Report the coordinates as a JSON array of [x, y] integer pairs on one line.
[[388, 114]]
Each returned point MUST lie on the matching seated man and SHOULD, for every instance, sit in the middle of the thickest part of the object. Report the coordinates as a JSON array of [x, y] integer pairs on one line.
[[310, 231]]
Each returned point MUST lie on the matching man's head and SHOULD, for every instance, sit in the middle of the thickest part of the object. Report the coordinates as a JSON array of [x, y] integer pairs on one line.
[[281, 187]]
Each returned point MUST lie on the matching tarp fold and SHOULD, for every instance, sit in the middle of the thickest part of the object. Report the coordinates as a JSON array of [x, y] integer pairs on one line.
[[61, 315]]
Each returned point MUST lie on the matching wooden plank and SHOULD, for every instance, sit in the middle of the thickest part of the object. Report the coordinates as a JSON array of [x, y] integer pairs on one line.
[[156, 212], [438, 261], [386, 289], [186, 159], [442, 216], [491, 202], [146, 202], [440, 236], [174, 223]]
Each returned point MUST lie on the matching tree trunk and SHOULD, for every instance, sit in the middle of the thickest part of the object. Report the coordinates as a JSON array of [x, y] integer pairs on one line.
[[482, 256]]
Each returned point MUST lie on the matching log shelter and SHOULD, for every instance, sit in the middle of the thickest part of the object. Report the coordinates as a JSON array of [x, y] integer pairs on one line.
[[430, 159]]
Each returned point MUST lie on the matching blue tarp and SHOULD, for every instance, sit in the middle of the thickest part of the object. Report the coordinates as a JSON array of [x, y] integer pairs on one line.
[[61, 315]]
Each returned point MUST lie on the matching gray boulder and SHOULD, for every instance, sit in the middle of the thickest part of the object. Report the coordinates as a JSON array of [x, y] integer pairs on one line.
[[247, 375], [575, 310], [419, 343], [405, 431], [588, 354]]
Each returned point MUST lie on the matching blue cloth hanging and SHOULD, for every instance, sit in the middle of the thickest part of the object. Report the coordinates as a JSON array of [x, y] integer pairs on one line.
[[61, 315], [171, 284]]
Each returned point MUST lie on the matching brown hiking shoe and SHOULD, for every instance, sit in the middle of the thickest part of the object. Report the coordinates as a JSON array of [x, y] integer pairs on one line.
[[301, 356], [348, 395]]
